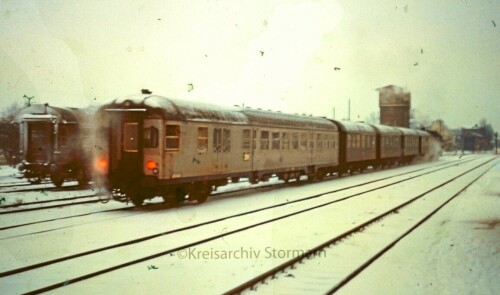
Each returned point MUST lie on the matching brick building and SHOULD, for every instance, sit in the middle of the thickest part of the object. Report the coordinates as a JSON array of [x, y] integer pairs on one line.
[[395, 105]]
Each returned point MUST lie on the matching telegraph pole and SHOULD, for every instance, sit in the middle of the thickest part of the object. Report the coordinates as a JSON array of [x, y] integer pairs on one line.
[[496, 143], [349, 111]]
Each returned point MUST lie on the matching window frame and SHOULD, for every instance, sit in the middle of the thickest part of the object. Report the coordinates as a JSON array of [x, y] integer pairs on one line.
[[177, 137]]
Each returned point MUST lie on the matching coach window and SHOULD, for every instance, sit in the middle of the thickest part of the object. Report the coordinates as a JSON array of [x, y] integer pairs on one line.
[[319, 141], [172, 137], [285, 141], [130, 143], [150, 137], [264, 140], [311, 141], [217, 143], [254, 139], [246, 139], [226, 140], [303, 141], [67, 134], [295, 141], [276, 141], [202, 139]]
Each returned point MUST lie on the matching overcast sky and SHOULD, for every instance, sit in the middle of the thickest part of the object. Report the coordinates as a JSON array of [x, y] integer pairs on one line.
[[291, 56]]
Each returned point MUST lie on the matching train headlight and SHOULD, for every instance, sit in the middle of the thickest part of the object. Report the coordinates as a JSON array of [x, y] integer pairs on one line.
[[152, 165]]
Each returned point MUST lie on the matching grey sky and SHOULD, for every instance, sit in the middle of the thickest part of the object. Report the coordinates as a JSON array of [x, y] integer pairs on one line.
[[278, 55]]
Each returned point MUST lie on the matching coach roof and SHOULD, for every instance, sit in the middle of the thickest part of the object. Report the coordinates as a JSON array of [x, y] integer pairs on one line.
[[350, 126], [277, 119], [407, 131], [47, 112], [180, 110], [382, 129]]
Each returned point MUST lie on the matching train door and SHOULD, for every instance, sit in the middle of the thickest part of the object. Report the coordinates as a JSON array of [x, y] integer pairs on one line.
[[222, 148], [310, 147], [126, 149], [152, 146], [39, 141]]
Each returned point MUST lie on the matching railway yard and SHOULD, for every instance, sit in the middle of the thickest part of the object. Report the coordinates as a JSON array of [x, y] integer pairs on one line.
[[428, 228]]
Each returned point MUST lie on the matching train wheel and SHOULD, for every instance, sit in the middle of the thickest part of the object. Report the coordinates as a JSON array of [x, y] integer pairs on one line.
[[134, 195], [320, 176], [174, 199], [200, 197], [235, 179], [82, 178], [253, 179], [137, 200], [35, 180], [57, 179]]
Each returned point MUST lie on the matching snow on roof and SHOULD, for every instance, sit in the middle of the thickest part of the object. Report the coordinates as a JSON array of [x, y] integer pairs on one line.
[[352, 126], [422, 133], [407, 131], [386, 129], [174, 109], [45, 112], [277, 119]]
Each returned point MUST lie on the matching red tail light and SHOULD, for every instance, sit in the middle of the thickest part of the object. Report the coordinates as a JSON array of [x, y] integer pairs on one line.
[[101, 165], [151, 165]]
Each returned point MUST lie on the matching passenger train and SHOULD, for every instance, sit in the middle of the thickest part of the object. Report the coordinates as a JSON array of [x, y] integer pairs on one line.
[[149, 145], [53, 143]]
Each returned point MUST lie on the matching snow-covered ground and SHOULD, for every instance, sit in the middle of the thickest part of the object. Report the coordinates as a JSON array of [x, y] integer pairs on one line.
[[399, 271], [455, 252]]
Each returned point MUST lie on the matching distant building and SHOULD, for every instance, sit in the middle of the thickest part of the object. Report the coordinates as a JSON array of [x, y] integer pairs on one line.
[[448, 142], [475, 139], [395, 105]]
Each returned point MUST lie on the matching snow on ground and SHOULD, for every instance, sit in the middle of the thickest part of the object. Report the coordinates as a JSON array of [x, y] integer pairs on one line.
[[174, 273], [457, 251]]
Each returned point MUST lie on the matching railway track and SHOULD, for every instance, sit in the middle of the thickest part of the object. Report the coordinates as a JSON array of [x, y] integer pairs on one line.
[[218, 195], [44, 187], [309, 274], [182, 243]]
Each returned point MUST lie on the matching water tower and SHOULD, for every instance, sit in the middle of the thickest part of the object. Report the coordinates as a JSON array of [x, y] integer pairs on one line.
[[395, 105]]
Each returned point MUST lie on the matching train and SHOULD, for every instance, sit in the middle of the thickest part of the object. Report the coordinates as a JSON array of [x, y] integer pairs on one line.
[[53, 144], [148, 145]]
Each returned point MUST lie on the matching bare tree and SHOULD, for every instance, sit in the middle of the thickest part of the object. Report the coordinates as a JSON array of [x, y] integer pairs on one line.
[[9, 112], [9, 133]]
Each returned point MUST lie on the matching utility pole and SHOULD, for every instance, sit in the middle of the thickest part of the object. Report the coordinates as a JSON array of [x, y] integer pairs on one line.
[[349, 110], [496, 143], [334, 113]]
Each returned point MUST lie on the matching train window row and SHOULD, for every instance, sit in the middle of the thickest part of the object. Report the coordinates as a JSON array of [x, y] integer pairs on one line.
[[412, 141], [391, 141], [267, 140], [360, 140], [288, 140]]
